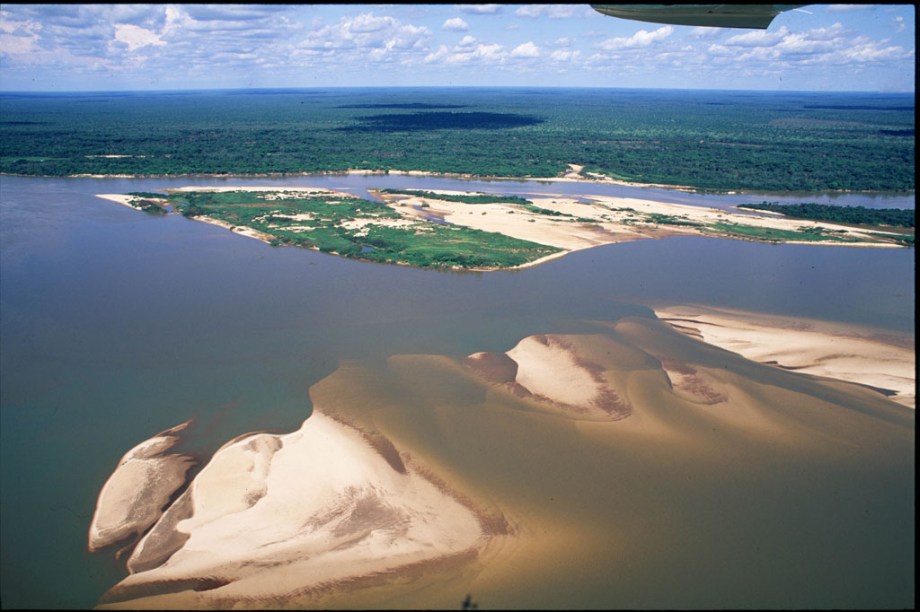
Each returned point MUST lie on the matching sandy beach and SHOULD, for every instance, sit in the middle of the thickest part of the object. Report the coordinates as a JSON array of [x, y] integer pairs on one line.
[[579, 222], [820, 348], [120, 198]]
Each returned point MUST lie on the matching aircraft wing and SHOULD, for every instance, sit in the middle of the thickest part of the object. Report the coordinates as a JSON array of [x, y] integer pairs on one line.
[[756, 16]]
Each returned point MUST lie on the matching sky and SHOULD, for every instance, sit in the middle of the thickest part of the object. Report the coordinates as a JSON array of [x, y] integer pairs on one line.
[[121, 47]]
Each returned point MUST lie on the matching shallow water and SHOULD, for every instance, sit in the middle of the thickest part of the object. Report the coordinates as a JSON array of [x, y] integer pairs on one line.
[[117, 325]]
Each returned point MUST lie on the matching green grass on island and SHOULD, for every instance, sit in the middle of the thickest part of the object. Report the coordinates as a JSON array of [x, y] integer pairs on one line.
[[401, 229], [352, 227]]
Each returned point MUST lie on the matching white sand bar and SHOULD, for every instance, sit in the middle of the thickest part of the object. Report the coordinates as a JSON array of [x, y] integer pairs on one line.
[[124, 200], [134, 496], [833, 350], [548, 367], [276, 515]]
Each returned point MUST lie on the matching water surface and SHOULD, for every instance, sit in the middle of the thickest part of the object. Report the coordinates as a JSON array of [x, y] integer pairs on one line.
[[117, 325]]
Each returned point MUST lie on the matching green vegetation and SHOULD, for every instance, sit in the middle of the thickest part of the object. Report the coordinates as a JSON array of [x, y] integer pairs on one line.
[[660, 219], [358, 228], [703, 139], [851, 215], [766, 234], [483, 198], [152, 203]]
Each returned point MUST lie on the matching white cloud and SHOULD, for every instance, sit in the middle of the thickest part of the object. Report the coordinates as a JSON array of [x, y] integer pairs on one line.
[[527, 49], [846, 7], [758, 38], [479, 9], [642, 38], [562, 55], [467, 54], [136, 37], [553, 11], [785, 50], [455, 24], [367, 34], [17, 45]]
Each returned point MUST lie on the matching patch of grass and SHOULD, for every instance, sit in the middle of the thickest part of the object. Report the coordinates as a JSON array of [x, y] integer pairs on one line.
[[768, 234], [321, 222], [484, 198]]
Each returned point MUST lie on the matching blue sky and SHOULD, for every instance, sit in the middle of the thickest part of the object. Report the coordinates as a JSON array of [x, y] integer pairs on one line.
[[111, 47]]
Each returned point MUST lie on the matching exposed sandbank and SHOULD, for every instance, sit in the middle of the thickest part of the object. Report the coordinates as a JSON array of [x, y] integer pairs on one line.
[[834, 350], [271, 516], [134, 496], [501, 475]]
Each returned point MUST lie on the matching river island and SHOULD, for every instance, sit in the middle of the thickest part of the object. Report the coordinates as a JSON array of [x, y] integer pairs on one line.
[[477, 230]]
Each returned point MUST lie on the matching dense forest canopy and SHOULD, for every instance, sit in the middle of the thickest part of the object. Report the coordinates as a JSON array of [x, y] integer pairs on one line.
[[852, 215], [704, 139]]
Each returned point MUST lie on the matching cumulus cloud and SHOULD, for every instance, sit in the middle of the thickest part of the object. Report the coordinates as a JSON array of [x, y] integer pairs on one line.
[[467, 54], [455, 24], [642, 38], [479, 9], [527, 49], [376, 35], [553, 11], [830, 46], [846, 7], [564, 55], [758, 38], [136, 37]]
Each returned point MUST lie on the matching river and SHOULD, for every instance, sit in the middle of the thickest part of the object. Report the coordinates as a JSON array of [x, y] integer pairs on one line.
[[117, 325]]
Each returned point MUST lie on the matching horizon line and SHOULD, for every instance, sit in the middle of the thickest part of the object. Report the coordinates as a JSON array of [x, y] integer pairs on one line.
[[379, 87]]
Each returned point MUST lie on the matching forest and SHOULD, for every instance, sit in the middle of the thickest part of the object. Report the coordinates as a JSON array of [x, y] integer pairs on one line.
[[706, 140], [851, 215]]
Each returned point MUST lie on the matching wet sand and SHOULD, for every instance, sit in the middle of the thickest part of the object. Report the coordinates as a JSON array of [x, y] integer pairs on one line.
[[719, 482]]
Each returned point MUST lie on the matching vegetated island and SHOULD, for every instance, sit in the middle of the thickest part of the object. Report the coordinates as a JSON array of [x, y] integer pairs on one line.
[[476, 230], [901, 221]]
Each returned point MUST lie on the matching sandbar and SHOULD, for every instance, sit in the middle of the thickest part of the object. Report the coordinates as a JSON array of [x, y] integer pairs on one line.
[[834, 350], [134, 496], [274, 516]]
